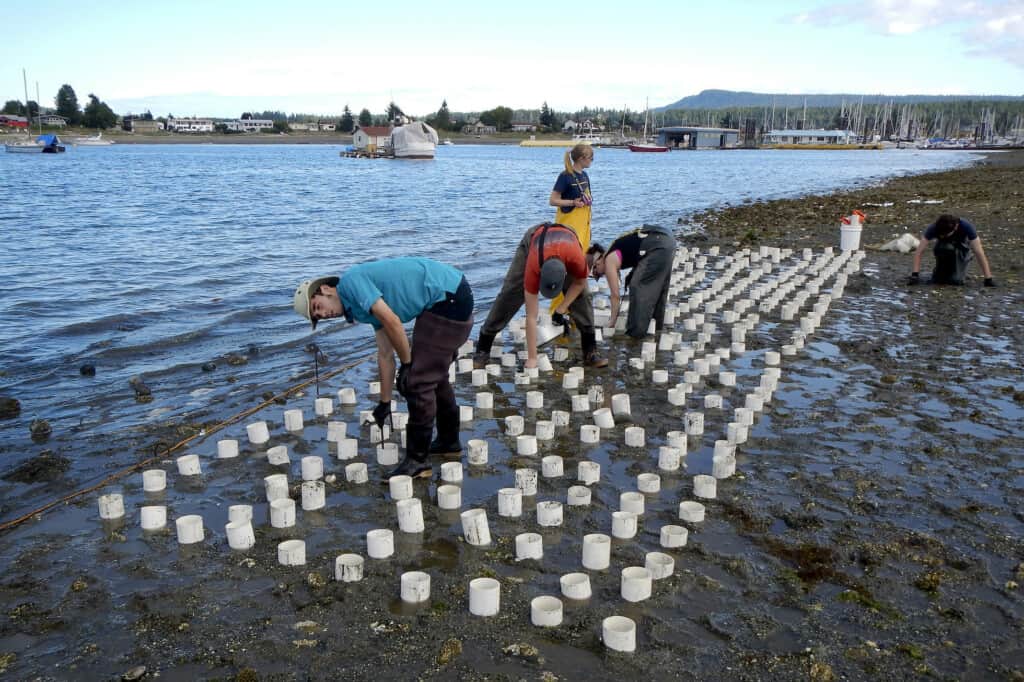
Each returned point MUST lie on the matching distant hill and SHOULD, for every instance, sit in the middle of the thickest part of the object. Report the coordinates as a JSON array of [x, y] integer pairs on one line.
[[724, 99]]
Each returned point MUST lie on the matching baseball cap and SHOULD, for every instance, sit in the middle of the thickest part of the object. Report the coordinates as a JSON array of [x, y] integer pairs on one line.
[[552, 278], [305, 292]]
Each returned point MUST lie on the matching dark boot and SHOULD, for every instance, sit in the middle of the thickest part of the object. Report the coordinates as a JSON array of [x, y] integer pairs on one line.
[[415, 461], [591, 356]]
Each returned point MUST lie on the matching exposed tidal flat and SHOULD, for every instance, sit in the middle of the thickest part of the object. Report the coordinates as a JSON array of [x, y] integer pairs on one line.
[[873, 530]]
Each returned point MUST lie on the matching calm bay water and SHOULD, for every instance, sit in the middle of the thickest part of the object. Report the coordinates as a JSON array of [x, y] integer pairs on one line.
[[151, 260]]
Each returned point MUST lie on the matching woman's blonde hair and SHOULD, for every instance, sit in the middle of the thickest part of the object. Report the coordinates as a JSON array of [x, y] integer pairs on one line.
[[577, 153]]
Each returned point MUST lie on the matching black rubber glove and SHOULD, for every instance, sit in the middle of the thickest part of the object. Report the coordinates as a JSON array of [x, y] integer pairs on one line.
[[382, 413], [989, 282], [402, 379], [558, 319], [915, 278]]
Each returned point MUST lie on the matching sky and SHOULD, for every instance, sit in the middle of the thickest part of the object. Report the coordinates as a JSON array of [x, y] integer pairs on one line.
[[221, 58]]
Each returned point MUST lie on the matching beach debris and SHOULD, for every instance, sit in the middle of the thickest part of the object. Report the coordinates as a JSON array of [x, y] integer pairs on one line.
[[884, 204], [924, 201], [905, 243], [522, 650], [234, 359], [135, 673], [44, 467], [450, 649], [87, 370], [209, 366], [143, 393], [9, 407], [40, 429]]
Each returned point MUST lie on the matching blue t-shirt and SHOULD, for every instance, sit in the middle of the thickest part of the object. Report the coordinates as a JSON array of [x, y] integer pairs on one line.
[[964, 233], [572, 186], [408, 285]]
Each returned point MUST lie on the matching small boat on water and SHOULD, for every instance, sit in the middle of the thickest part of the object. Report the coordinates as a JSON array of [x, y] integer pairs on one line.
[[647, 147], [45, 144], [414, 140], [447, 141], [92, 141]]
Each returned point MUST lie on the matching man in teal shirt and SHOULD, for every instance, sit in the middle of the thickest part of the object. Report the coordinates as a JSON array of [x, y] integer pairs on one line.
[[386, 294]]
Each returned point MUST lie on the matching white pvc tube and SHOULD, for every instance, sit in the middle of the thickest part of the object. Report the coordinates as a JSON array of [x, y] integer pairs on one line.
[[659, 565], [544, 363], [588, 473], [560, 418], [597, 551], [227, 448], [514, 425], [336, 431], [772, 358], [712, 401], [400, 487], [190, 529], [510, 502], [669, 458], [348, 568], [551, 466], [465, 413], [356, 472], [380, 543], [154, 480], [648, 483], [673, 536], [578, 496], [575, 586], [465, 365], [549, 513], [348, 448], [387, 454], [754, 402], [293, 420], [635, 583], [522, 379], [535, 400], [278, 456], [276, 486], [603, 418], [188, 465], [291, 553], [631, 501], [153, 517], [529, 546], [690, 511], [415, 587], [257, 432], [240, 535], [475, 528], [312, 468], [620, 405], [546, 611], [314, 495], [449, 496], [723, 466], [544, 430], [596, 395], [659, 376], [676, 397], [570, 381], [239, 512], [479, 376], [526, 445], [634, 436], [581, 403], [694, 423], [347, 396], [508, 359], [624, 524], [744, 415], [410, 515], [484, 400], [736, 433], [705, 487], [677, 439], [484, 596], [451, 472], [477, 451], [282, 513], [590, 433], [526, 480]]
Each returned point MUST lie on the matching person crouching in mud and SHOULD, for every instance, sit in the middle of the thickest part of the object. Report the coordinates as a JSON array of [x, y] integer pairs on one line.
[[955, 240], [386, 294]]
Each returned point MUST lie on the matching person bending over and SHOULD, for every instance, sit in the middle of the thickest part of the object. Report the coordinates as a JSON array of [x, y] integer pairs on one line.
[[955, 241]]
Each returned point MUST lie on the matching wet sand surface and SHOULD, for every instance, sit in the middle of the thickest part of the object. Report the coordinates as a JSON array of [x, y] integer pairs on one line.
[[873, 529]]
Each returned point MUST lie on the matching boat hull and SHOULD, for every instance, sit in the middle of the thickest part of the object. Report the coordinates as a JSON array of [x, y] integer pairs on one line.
[[649, 148]]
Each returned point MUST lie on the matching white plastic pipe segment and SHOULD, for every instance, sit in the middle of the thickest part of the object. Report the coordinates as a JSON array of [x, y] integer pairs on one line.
[[479, 376], [705, 487], [153, 517], [546, 611], [293, 419], [475, 528], [508, 359], [549, 513], [314, 495], [575, 586], [588, 473], [694, 423], [544, 429], [682, 357], [227, 448], [484, 596], [560, 418], [529, 546], [673, 536], [510, 502], [466, 413], [544, 363], [451, 472], [336, 431], [620, 405], [754, 402], [380, 543], [400, 487], [596, 395], [378, 435], [631, 501], [603, 418], [738, 347], [410, 515], [589, 433], [477, 451], [691, 512], [291, 553], [624, 524], [324, 407], [465, 365], [648, 483], [348, 568], [514, 425], [522, 379], [526, 445], [154, 480], [312, 468], [551, 466], [676, 397], [188, 465], [282, 513], [690, 378], [526, 481], [701, 366], [356, 473], [534, 400], [580, 403], [415, 587], [636, 583], [387, 454], [449, 496], [570, 381], [659, 565], [578, 496], [258, 433], [669, 458], [240, 535], [736, 432], [239, 512], [348, 448], [493, 369], [278, 456], [659, 376], [561, 354], [634, 436], [484, 400], [712, 401], [276, 486], [771, 358], [744, 415], [723, 466], [597, 551], [190, 529], [724, 447]]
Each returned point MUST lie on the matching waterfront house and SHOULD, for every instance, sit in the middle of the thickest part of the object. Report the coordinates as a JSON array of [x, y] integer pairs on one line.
[[326, 126], [524, 127], [249, 125], [372, 138], [190, 125], [50, 120], [478, 128], [139, 125], [12, 121], [810, 137], [698, 137]]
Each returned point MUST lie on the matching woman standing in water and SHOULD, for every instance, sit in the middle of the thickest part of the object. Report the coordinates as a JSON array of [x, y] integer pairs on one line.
[[572, 199]]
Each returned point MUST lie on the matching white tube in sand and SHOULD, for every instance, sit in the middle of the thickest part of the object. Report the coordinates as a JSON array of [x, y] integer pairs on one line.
[[282, 513], [546, 611], [522, 379], [484, 400], [387, 454], [257, 432], [508, 359], [400, 487], [347, 396], [465, 365], [526, 481], [624, 524], [526, 445], [659, 565], [348, 568], [635, 436], [712, 401], [484, 596], [534, 400], [477, 451], [514, 425], [314, 495], [570, 381], [771, 358], [312, 468], [736, 433], [154, 480], [561, 354], [636, 363], [189, 529], [449, 496], [544, 430], [451, 472], [415, 587], [227, 448], [356, 472], [240, 535], [673, 536], [636, 583], [324, 407], [377, 434], [603, 418], [293, 420], [410, 515], [744, 415], [596, 395], [575, 586], [348, 448], [578, 496], [493, 369], [724, 447], [291, 553], [631, 501], [153, 517], [479, 377], [738, 347], [551, 466], [669, 458], [620, 405], [754, 402], [648, 483], [676, 397], [276, 486], [560, 418], [475, 528], [659, 376], [588, 473], [380, 543], [589, 433], [723, 466], [580, 403], [239, 512], [694, 423], [510, 502], [549, 513], [677, 439], [690, 378], [691, 512], [336, 431], [544, 363], [705, 487], [188, 465], [465, 413], [597, 551], [278, 456]]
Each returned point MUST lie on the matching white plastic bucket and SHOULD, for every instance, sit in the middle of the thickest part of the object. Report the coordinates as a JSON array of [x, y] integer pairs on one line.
[[849, 237]]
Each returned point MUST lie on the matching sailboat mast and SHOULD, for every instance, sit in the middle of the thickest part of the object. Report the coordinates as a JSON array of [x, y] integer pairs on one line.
[[39, 110]]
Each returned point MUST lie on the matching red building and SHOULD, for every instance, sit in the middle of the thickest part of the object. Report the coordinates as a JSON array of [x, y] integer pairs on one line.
[[11, 121]]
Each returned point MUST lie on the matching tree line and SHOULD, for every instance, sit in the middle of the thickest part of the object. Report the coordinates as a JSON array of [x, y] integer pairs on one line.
[[95, 114]]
